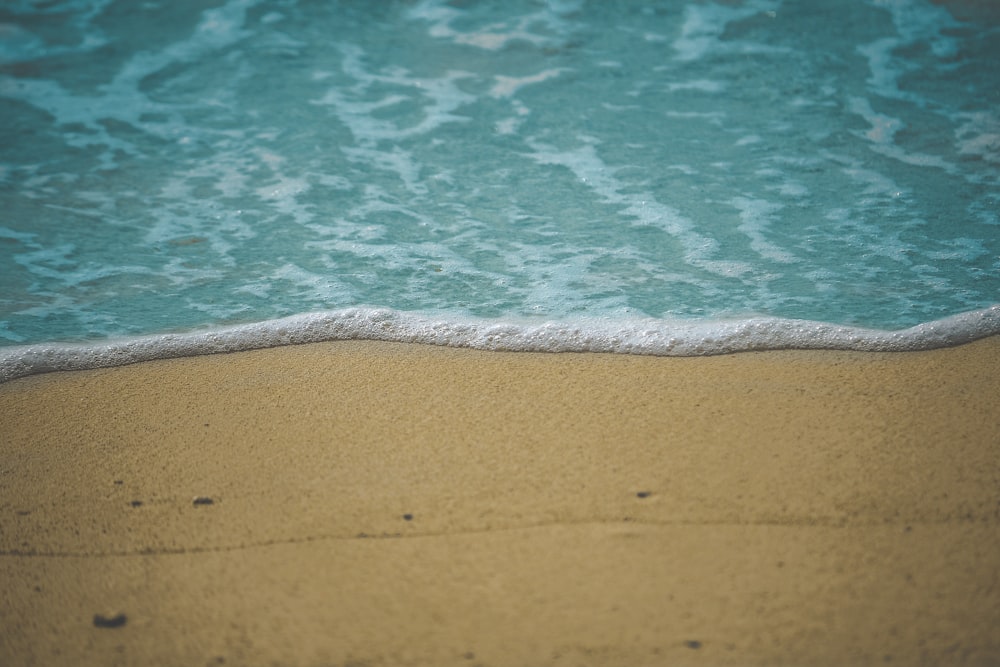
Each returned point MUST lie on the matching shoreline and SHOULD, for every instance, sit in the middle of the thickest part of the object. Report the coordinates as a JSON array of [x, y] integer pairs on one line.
[[384, 503], [641, 336]]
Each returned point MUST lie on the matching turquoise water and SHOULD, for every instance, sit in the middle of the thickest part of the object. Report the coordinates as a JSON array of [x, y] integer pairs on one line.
[[651, 177]]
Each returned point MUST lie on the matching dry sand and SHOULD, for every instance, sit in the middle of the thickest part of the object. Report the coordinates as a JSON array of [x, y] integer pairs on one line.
[[384, 504]]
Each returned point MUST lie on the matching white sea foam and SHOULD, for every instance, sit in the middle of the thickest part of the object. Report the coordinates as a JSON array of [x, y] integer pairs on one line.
[[640, 336], [444, 94], [587, 165], [507, 86]]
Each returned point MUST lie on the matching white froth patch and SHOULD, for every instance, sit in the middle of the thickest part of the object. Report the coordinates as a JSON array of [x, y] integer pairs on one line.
[[883, 73], [788, 186], [875, 183], [585, 163], [882, 136], [219, 27], [493, 41], [715, 117], [619, 107], [700, 85], [922, 23], [755, 217], [506, 86], [883, 128], [281, 194], [794, 189], [396, 160], [260, 289], [281, 190], [443, 93], [231, 181], [507, 126]]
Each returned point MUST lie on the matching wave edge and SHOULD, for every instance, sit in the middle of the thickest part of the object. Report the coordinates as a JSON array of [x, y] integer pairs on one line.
[[653, 337]]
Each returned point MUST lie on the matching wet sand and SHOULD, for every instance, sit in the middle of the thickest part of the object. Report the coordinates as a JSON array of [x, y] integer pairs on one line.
[[378, 504]]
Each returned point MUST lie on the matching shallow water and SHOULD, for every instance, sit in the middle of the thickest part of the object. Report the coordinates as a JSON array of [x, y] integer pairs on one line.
[[674, 168]]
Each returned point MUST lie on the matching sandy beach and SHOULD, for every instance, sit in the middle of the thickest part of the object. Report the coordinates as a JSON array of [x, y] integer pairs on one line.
[[360, 503]]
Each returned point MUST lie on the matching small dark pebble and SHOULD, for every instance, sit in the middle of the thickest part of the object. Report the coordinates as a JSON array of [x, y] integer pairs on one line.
[[119, 482], [136, 503], [117, 621], [407, 517], [23, 512], [693, 643], [203, 500], [642, 494]]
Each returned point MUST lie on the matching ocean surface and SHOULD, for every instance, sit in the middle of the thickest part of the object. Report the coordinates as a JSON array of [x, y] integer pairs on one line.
[[677, 177]]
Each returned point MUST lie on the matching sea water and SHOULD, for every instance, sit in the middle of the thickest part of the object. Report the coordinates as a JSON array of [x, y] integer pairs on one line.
[[674, 177]]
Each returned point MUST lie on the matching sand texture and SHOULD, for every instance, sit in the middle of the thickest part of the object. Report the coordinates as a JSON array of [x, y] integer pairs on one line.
[[383, 504]]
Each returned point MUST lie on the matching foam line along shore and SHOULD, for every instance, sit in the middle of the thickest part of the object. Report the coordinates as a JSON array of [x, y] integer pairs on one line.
[[643, 337]]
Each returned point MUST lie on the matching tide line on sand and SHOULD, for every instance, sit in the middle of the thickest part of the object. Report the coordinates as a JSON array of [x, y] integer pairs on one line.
[[637, 336]]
